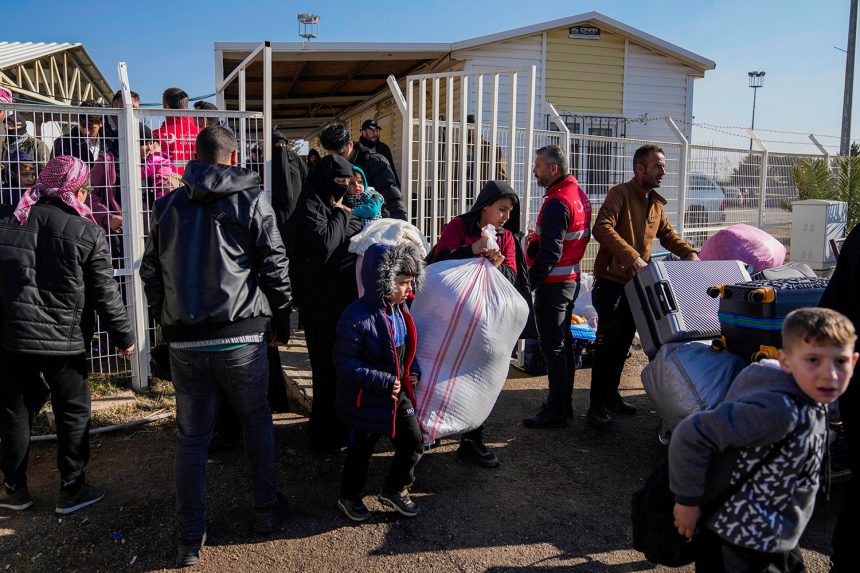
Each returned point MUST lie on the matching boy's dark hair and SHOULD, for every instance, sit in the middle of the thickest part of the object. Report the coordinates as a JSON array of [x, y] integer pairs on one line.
[[643, 153], [118, 96], [335, 137], [215, 144], [207, 105], [90, 119], [174, 98], [819, 326]]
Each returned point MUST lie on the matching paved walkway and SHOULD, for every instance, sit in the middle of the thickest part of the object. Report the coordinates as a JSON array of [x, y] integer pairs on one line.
[[297, 371]]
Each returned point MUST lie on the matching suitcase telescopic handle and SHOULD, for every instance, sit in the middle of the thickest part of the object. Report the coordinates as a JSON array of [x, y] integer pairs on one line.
[[665, 296]]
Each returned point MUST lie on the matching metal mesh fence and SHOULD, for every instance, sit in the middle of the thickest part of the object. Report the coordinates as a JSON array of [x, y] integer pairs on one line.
[[120, 191], [36, 133], [164, 141]]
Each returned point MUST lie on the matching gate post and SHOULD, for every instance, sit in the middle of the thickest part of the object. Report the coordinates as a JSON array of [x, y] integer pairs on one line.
[[683, 163], [762, 194], [132, 226]]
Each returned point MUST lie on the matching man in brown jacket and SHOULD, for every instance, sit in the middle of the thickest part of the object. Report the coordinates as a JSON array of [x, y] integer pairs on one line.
[[631, 217]]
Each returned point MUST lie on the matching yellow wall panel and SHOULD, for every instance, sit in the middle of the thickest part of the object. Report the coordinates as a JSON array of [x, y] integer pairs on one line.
[[585, 75]]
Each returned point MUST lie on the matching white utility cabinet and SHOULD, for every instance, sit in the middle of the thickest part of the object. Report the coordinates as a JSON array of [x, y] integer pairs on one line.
[[814, 223]]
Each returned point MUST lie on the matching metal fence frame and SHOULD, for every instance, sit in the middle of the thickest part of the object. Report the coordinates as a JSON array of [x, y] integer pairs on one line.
[[598, 162]]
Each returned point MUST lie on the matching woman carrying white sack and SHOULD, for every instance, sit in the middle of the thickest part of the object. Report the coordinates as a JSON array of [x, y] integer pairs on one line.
[[487, 230]]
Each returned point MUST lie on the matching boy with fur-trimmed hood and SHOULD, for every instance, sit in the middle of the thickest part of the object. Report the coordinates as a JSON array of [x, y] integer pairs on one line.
[[376, 373], [754, 461]]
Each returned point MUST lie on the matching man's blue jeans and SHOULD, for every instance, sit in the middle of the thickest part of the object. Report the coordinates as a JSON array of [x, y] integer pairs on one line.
[[244, 376]]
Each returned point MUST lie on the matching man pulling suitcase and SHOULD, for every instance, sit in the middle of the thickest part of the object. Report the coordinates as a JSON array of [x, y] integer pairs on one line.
[[631, 217]]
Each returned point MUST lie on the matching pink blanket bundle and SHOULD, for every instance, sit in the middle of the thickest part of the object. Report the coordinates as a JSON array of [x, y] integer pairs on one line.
[[744, 243]]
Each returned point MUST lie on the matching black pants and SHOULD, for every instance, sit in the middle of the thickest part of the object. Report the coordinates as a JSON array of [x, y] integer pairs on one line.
[[320, 316], [845, 554], [615, 330], [408, 447], [719, 556], [553, 307], [326, 430], [23, 393], [476, 435]]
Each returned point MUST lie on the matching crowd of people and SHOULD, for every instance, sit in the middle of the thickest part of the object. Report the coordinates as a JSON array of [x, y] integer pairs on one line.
[[224, 267]]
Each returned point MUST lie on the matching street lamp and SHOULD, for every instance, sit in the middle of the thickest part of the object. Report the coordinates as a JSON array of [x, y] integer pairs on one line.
[[756, 81], [309, 26]]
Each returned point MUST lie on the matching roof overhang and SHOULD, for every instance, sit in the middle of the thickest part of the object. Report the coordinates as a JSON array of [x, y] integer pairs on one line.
[[314, 83], [59, 73]]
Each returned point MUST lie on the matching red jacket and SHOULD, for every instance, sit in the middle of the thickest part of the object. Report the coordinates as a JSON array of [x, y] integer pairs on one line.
[[575, 236], [177, 136], [455, 235]]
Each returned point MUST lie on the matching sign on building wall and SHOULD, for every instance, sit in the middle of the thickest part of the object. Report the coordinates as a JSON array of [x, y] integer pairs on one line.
[[583, 32]]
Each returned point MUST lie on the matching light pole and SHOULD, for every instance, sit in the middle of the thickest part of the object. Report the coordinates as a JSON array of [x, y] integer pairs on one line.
[[756, 81], [845, 138]]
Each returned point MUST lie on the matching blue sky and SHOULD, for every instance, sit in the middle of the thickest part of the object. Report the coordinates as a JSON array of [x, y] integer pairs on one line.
[[168, 44]]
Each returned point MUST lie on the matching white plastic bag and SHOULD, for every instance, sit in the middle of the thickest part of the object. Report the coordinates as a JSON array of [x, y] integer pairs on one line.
[[468, 318], [387, 232], [384, 232], [489, 231], [583, 305]]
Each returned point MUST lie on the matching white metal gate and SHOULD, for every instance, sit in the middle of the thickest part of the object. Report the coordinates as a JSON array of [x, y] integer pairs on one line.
[[461, 129]]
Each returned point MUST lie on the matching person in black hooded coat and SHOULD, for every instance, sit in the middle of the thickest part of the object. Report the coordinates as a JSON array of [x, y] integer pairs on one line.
[[288, 176], [497, 204], [841, 295], [323, 227]]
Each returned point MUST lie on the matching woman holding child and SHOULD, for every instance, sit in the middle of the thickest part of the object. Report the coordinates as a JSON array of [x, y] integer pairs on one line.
[[324, 225]]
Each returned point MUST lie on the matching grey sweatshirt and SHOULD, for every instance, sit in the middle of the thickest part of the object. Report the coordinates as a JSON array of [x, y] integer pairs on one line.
[[713, 450]]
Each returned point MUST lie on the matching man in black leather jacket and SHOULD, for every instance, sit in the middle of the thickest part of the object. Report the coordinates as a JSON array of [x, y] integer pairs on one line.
[[215, 275], [55, 268]]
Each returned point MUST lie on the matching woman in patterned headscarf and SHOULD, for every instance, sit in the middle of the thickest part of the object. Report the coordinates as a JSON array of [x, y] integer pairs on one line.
[[64, 178]]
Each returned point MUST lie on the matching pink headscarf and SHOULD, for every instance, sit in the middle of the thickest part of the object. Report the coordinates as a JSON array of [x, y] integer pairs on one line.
[[5, 96], [61, 178]]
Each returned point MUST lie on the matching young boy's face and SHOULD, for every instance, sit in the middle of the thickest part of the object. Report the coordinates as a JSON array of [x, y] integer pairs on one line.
[[402, 288], [822, 371]]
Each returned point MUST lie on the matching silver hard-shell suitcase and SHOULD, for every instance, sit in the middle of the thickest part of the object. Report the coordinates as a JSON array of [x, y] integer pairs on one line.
[[669, 300]]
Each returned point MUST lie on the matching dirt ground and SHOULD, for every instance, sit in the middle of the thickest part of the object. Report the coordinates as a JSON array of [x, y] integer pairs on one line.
[[559, 502]]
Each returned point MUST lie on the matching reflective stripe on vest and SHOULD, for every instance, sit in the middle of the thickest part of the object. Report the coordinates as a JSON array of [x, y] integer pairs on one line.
[[572, 236], [564, 271], [577, 235]]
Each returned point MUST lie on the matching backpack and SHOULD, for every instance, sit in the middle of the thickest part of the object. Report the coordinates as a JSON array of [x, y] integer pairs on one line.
[[654, 531]]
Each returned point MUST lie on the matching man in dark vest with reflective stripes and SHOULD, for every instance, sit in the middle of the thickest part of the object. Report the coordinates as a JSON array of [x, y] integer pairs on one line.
[[553, 254]]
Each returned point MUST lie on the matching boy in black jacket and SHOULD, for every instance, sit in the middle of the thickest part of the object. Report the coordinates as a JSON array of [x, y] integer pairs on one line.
[[376, 372]]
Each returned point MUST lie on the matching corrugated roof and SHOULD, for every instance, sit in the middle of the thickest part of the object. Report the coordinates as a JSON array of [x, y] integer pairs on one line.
[[13, 53]]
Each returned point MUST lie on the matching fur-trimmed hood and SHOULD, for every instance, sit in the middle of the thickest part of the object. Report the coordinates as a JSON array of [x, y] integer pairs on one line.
[[379, 269]]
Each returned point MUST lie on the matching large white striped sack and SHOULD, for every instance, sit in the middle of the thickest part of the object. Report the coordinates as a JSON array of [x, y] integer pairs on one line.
[[468, 317]]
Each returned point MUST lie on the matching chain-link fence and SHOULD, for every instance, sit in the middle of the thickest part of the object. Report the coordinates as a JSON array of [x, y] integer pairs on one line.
[[133, 162]]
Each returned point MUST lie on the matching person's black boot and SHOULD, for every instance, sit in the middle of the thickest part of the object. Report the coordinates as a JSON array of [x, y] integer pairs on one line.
[[598, 418], [546, 419], [618, 404]]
